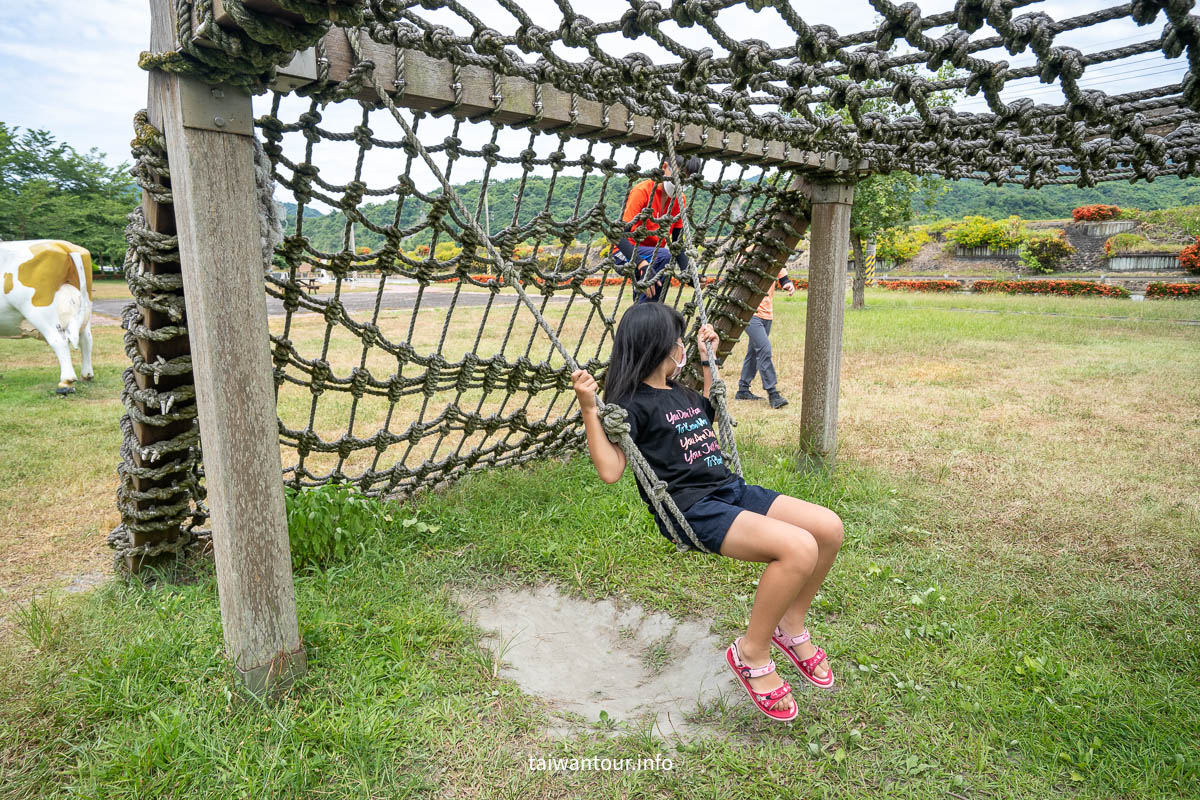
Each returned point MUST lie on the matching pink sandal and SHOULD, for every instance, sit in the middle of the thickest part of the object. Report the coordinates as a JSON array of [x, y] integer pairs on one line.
[[806, 666], [762, 700]]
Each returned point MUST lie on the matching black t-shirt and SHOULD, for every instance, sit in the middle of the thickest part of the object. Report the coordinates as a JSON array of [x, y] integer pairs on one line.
[[673, 429]]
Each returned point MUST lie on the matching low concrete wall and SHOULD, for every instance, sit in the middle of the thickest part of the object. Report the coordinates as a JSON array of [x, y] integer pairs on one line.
[[1109, 228], [1131, 262], [984, 252]]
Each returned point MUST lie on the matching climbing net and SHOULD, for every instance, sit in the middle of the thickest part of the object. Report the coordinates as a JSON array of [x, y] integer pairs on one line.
[[464, 375], [417, 361]]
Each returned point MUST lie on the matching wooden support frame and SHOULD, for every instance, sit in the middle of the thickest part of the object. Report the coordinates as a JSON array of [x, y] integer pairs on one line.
[[826, 310], [215, 206], [429, 85]]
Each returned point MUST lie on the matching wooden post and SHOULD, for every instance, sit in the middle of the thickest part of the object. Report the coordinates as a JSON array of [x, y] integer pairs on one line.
[[208, 132], [831, 205]]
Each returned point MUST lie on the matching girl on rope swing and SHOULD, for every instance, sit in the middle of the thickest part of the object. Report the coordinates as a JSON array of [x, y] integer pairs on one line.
[[671, 425]]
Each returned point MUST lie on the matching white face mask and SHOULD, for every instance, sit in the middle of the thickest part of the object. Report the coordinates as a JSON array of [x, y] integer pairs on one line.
[[678, 364], [669, 188]]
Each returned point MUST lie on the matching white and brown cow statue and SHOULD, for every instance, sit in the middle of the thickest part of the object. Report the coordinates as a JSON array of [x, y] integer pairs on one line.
[[47, 284]]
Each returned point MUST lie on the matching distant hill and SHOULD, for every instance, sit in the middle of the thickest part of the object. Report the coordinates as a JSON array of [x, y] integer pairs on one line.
[[326, 232], [1055, 202]]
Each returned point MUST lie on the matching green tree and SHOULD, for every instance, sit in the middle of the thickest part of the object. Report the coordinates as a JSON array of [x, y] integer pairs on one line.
[[48, 190], [888, 200], [882, 202]]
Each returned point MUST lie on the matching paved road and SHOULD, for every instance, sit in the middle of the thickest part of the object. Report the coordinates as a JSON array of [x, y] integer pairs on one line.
[[358, 303]]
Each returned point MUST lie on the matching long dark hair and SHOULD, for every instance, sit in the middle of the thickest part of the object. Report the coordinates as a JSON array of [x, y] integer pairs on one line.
[[645, 336]]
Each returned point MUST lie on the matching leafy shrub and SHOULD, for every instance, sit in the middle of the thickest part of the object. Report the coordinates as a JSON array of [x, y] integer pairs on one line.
[[1050, 287], [1043, 252], [1189, 258], [326, 523], [1097, 212], [1171, 290], [1171, 222], [937, 230], [549, 261], [446, 251], [1003, 234], [1136, 243], [922, 286], [898, 245]]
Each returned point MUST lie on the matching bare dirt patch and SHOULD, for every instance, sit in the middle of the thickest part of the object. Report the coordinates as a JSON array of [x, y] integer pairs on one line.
[[585, 658]]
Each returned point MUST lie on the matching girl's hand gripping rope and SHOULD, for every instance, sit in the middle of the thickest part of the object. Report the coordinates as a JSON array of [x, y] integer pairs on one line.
[[585, 389], [705, 338], [606, 456]]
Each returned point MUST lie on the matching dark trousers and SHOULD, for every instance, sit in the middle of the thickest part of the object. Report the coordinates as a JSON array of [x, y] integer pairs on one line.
[[758, 356], [658, 258]]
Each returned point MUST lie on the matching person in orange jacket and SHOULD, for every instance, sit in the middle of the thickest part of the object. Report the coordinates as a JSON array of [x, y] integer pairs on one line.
[[645, 243]]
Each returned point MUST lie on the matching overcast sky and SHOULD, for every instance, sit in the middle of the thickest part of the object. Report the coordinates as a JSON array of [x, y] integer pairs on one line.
[[70, 66]]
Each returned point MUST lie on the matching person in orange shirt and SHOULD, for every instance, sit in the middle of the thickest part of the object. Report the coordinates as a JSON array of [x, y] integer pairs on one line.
[[758, 347], [645, 243]]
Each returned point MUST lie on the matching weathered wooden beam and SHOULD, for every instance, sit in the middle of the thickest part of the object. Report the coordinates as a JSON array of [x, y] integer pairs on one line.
[[216, 213], [826, 309], [429, 85]]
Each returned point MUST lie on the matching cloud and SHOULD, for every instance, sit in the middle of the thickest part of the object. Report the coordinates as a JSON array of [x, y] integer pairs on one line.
[[73, 70]]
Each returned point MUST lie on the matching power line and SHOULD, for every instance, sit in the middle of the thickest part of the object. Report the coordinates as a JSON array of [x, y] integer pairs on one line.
[[978, 102]]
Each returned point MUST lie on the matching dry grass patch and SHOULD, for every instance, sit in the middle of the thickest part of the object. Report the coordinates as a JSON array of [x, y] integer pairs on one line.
[[1050, 435], [58, 466]]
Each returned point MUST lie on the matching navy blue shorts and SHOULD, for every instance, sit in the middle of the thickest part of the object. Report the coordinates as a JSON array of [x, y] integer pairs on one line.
[[711, 515]]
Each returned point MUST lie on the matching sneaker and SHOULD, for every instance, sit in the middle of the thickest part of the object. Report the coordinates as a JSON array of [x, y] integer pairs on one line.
[[746, 394], [778, 400]]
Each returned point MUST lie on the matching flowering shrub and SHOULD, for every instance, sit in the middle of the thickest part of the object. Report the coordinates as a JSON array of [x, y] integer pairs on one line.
[[1001, 234], [1043, 252], [1169, 290], [1050, 287], [1189, 258], [898, 245], [921, 286], [594, 280], [1097, 212]]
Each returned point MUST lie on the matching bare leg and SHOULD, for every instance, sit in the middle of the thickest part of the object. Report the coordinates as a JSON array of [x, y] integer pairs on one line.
[[790, 554], [826, 529]]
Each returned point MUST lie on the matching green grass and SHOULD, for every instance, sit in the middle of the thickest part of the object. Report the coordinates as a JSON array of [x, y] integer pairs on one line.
[[1014, 613], [980, 677]]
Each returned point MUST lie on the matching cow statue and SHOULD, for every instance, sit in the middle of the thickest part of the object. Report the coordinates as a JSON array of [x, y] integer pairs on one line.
[[47, 284]]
